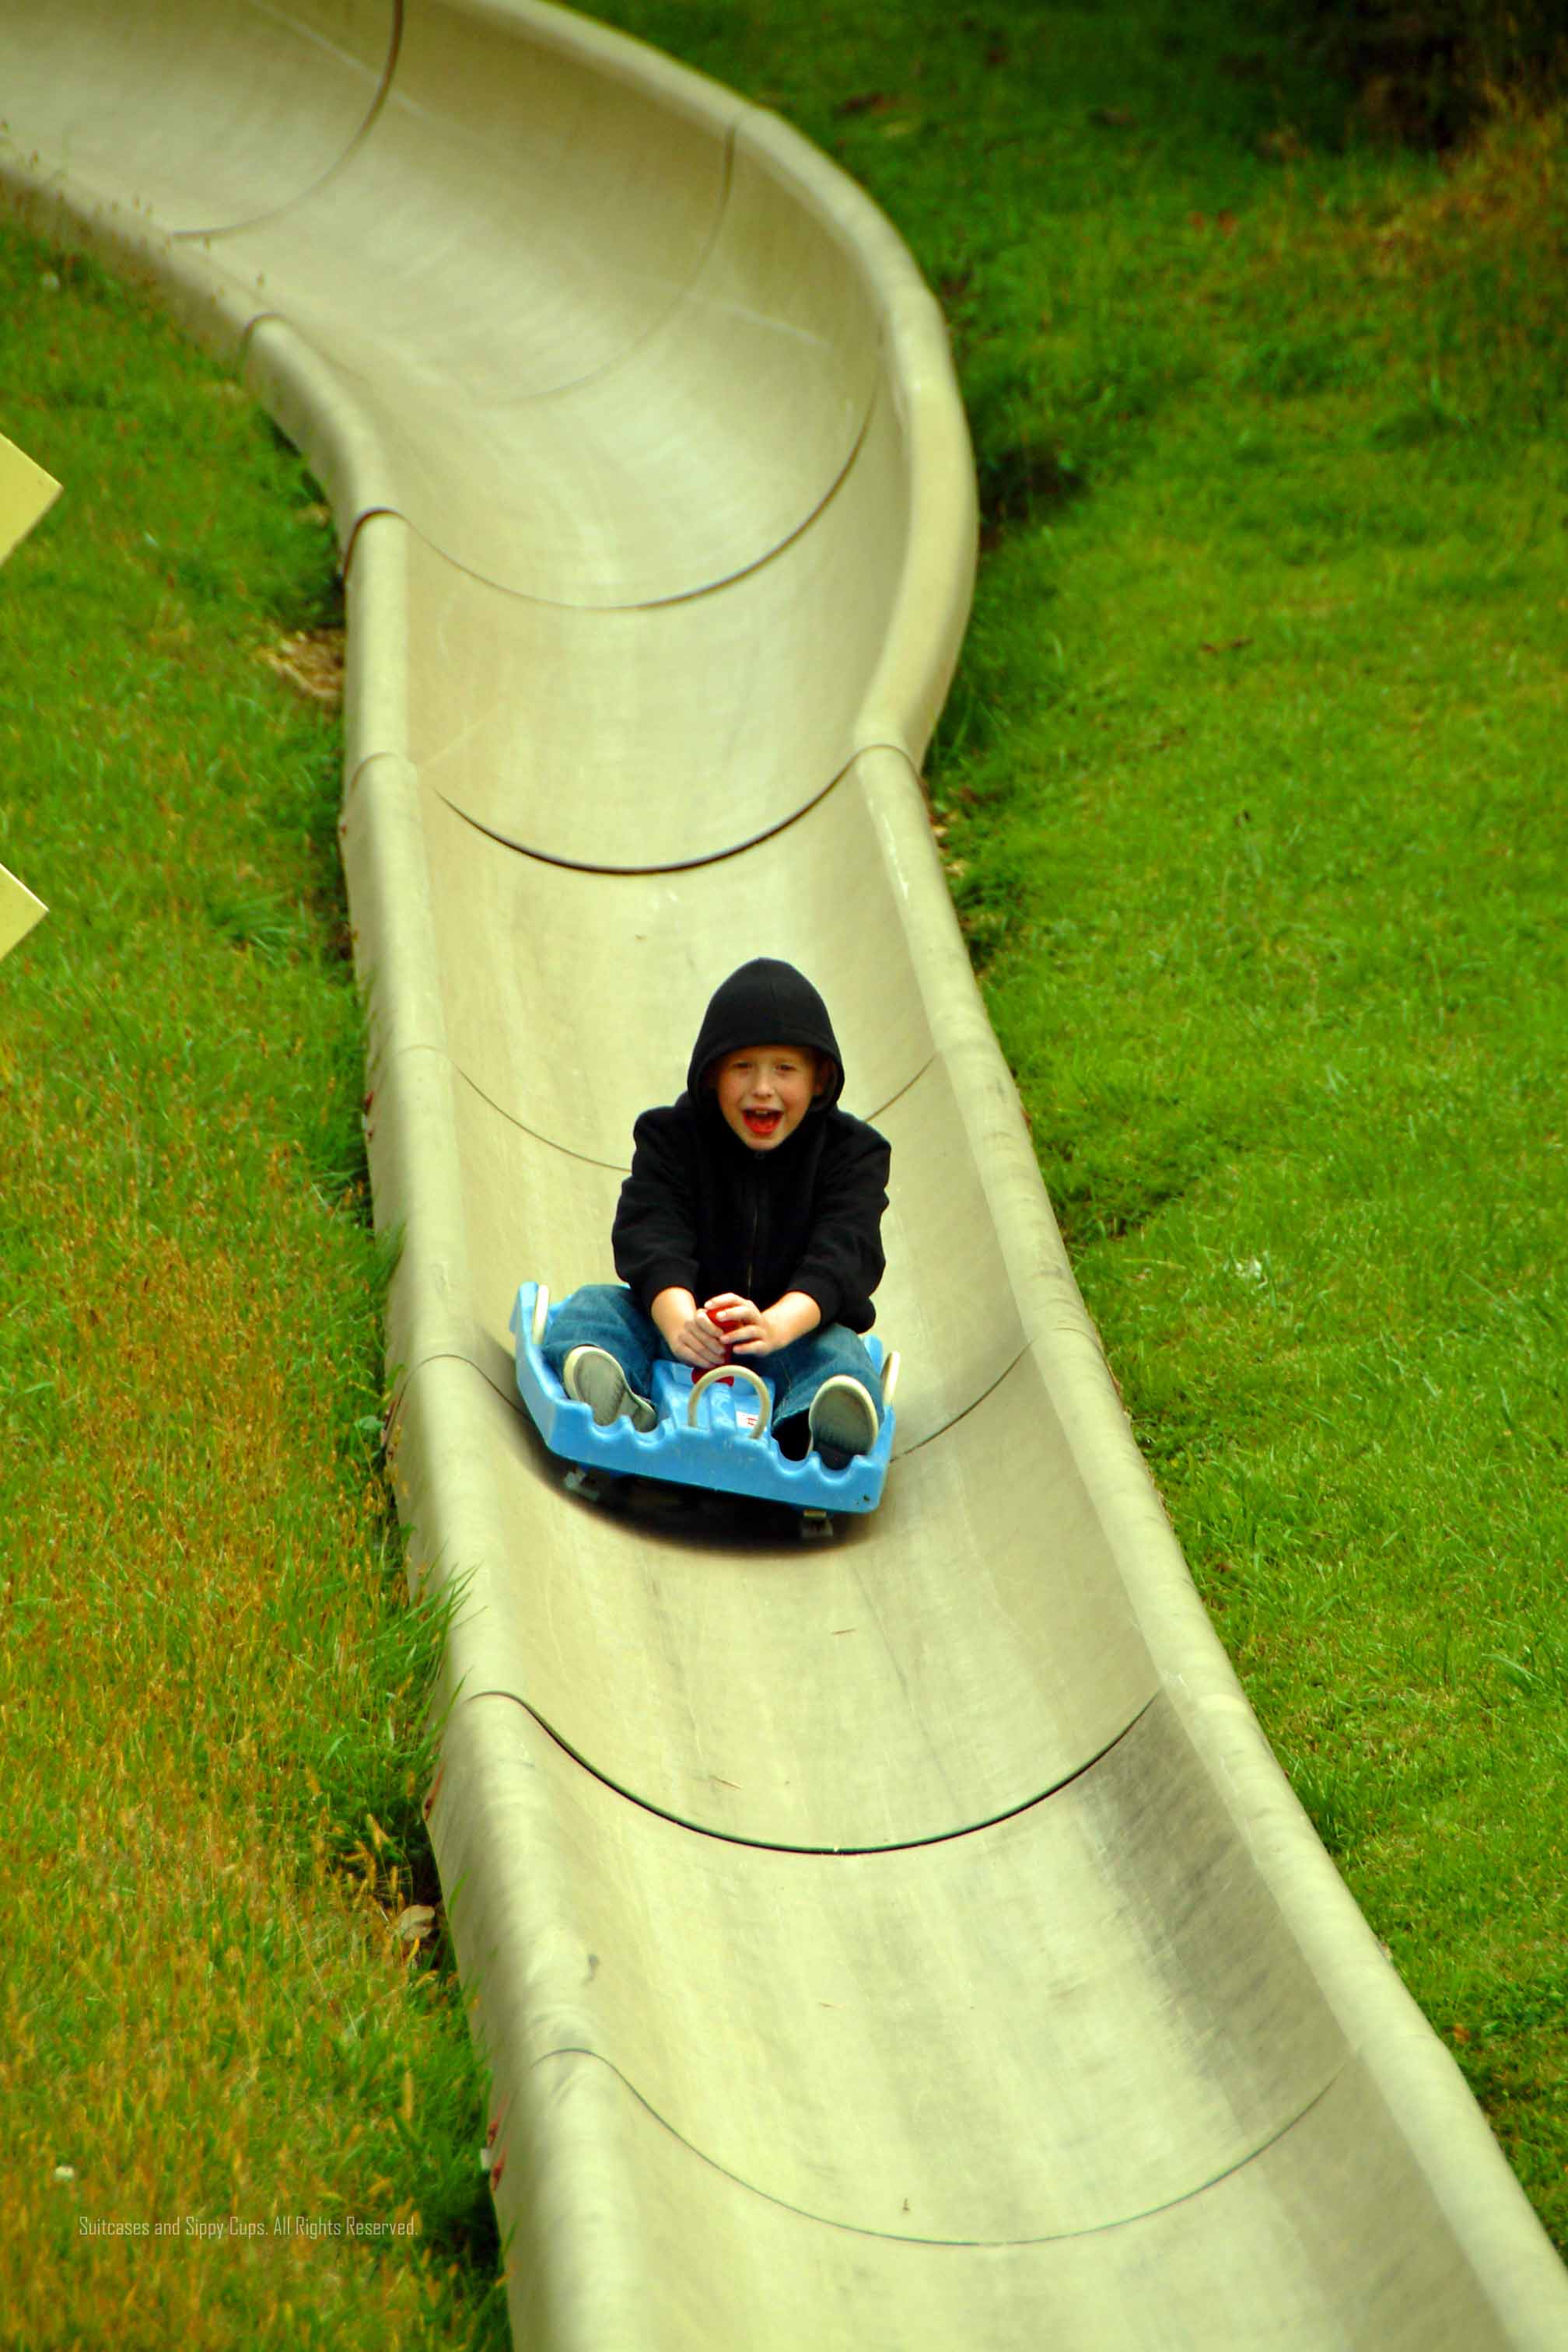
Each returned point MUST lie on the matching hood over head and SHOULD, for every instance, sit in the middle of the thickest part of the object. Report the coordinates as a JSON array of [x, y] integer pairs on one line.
[[766, 1002]]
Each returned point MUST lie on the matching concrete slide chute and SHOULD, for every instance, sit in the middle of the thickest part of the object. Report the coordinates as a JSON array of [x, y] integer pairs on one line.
[[909, 1942]]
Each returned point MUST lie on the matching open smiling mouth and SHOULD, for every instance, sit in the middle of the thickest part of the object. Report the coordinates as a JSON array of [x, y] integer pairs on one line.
[[761, 1122]]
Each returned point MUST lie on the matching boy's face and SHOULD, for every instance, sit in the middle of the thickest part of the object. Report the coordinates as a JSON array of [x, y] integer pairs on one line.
[[764, 1092]]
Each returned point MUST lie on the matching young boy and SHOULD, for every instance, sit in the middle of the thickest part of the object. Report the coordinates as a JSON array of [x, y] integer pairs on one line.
[[750, 1219]]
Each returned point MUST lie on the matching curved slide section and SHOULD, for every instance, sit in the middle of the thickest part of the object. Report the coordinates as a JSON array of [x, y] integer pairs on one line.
[[907, 1942]]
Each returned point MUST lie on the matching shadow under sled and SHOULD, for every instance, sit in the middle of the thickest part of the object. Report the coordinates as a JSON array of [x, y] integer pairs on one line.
[[713, 1432]]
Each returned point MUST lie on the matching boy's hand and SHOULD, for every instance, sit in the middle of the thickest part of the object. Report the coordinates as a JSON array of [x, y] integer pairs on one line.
[[686, 1331], [741, 1323], [752, 1331], [699, 1344]]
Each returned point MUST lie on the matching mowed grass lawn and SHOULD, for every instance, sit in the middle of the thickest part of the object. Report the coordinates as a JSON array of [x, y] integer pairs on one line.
[[211, 1684], [1252, 793]]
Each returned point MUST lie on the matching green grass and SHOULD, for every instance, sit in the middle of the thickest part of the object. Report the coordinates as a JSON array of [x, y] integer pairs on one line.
[[1251, 791], [1263, 869], [210, 1686]]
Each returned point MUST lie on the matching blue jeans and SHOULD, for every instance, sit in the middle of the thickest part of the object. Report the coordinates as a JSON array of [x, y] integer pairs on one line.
[[606, 1315]]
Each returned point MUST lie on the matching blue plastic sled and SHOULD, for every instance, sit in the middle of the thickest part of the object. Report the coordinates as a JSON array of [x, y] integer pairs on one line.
[[710, 1432]]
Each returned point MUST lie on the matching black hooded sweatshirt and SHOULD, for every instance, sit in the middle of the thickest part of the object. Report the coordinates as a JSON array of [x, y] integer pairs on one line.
[[702, 1212]]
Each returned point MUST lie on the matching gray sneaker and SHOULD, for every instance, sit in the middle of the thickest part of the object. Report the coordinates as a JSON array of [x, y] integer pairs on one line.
[[593, 1376], [843, 1419]]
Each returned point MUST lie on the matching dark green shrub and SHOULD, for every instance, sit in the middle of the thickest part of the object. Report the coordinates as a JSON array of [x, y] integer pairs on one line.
[[1425, 71]]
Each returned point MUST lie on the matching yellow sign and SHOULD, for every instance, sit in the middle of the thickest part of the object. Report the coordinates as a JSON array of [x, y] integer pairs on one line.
[[25, 493], [19, 910]]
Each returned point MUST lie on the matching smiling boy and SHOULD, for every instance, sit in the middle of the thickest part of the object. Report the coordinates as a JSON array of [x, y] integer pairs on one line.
[[752, 1187]]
